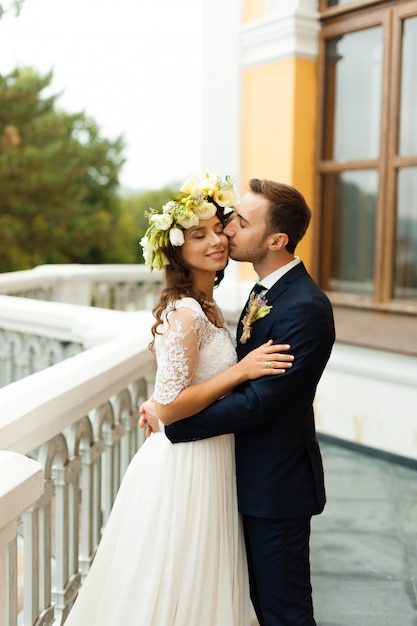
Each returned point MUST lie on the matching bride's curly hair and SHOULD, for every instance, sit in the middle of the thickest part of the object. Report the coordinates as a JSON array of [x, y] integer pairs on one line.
[[179, 284]]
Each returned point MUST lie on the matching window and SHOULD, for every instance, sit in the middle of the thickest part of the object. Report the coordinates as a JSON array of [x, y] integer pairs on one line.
[[366, 196]]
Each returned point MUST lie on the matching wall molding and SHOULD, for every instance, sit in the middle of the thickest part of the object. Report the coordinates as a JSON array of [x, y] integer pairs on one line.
[[280, 37]]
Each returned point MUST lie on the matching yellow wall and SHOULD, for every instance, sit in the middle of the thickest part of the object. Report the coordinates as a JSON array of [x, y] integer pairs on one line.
[[279, 116], [253, 10]]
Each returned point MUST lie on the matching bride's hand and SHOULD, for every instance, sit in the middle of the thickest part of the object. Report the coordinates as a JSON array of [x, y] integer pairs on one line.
[[148, 418], [268, 359]]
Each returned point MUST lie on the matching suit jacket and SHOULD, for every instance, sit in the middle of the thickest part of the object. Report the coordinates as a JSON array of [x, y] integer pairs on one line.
[[278, 461]]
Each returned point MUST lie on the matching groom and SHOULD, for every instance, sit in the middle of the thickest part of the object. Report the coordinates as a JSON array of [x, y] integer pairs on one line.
[[278, 462]]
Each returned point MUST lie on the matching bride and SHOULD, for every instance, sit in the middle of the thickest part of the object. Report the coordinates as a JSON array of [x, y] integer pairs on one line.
[[172, 552]]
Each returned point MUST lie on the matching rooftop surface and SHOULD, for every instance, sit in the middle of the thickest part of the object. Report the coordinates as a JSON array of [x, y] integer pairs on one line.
[[364, 545]]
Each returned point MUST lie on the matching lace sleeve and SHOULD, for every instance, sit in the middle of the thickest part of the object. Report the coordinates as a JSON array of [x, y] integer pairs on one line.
[[177, 352]]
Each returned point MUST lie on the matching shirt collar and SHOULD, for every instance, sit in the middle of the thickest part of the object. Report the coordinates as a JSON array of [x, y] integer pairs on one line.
[[271, 279]]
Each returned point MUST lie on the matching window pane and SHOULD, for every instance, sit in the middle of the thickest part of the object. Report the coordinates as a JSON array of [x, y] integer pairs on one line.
[[408, 103], [353, 95], [353, 199], [405, 275]]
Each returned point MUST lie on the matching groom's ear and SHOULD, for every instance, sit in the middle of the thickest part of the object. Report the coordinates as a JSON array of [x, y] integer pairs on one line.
[[278, 241]]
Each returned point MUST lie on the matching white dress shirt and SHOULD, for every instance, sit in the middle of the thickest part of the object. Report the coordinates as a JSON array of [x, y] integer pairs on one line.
[[270, 280]]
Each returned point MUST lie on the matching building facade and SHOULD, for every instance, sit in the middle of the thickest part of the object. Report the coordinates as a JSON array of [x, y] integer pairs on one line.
[[321, 94]]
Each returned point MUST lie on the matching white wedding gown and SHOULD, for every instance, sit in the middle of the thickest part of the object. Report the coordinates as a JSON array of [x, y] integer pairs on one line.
[[172, 553]]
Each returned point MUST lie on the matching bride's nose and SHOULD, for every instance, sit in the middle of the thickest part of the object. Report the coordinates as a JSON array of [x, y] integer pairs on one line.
[[216, 237], [228, 230]]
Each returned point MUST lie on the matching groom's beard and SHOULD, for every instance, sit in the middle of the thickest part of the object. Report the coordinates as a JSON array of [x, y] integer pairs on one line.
[[255, 254]]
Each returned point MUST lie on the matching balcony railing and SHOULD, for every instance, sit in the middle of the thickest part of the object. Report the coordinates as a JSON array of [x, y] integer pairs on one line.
[[78, 418], [120, 287], [73, 375]]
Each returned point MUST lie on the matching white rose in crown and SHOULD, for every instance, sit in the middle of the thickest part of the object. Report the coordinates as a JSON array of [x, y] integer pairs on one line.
[[205, 210], [226, 197], [222, 190], [186, 218], [190, 186], [162, 221], [147, 250], [176, 236]]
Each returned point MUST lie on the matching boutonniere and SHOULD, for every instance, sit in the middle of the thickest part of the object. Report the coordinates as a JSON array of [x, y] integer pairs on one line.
[[257, 309]]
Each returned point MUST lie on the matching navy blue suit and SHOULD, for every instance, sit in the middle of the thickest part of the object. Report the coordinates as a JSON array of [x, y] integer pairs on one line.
[[278, 462]]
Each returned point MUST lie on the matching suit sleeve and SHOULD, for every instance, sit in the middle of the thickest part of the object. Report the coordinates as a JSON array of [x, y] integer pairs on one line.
[[249, 406]]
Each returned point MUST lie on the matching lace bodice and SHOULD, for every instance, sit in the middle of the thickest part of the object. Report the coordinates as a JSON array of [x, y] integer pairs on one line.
[[190, 349]]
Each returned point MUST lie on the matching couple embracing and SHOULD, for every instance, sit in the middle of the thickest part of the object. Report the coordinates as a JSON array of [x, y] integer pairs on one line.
[[175, 551]]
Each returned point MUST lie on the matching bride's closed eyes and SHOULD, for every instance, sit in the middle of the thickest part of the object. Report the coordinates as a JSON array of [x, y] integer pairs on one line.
[[201, 231]]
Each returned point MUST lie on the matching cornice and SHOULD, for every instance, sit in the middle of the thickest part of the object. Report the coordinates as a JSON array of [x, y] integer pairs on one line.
[[279, 37]]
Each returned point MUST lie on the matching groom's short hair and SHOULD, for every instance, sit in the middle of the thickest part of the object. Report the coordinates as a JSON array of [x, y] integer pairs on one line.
[[288, 212]]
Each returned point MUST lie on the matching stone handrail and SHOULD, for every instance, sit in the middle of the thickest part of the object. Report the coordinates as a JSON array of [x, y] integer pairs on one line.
[[122, 287], [78, 419]]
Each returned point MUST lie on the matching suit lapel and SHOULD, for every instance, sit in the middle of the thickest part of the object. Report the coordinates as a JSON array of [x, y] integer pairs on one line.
[[274, 293], [283, 283]]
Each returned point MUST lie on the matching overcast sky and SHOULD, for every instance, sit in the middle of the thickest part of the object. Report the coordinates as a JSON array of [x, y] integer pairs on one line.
[[133, 65]]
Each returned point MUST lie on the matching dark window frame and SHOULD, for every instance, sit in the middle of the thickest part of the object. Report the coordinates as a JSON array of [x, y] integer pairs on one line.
[[381, 306]]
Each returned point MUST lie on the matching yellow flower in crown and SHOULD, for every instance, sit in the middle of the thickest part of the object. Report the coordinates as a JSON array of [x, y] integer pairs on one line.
[[194, 202], [257, 309]]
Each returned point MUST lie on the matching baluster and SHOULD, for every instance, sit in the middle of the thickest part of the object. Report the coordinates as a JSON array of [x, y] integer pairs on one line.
[[98, 506], [53, 352], [90, 452], [15, 347], [110, 432], [11, 583], [139, 295], [21, 359], [3, 359], [32, 561], [126, 417], [139, 394], [110, 295], [67, 583], [28, 362], [37, 563], [45, 553], [65, 472], [121, 296], [155, 290]]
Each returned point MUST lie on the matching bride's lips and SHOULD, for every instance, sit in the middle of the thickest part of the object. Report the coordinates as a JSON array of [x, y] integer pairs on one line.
[[218, 254]]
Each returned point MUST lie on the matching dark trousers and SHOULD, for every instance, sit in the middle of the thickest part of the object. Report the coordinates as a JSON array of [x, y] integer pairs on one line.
[[279, 570]]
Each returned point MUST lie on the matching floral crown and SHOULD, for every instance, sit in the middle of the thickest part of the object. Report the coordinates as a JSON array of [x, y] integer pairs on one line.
[[195, 201]]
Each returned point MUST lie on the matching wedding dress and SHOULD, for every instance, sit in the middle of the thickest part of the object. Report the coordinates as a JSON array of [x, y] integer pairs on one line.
[[172, 553]]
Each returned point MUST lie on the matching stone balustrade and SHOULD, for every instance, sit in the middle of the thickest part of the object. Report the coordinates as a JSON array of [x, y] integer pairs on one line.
[[78, 420], [120, 287], [31, 340]]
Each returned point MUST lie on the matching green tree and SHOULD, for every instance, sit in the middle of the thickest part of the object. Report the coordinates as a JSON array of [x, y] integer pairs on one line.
[[134, 210], [58, 180]]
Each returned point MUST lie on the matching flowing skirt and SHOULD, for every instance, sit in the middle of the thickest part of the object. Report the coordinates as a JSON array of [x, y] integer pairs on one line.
[[172, 553]]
